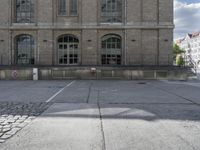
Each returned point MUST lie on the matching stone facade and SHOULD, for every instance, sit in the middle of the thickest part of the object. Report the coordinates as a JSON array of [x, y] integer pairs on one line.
[[146, 32]]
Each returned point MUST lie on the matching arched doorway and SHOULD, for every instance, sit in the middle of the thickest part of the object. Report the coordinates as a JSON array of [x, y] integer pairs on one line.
[[68, 50], [25, 46], [111, 50]]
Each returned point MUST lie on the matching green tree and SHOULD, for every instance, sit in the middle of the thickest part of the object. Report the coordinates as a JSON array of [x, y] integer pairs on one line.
[[179, 60], [178, 55]]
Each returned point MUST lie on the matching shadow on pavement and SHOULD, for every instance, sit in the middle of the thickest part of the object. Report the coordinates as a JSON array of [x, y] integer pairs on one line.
[[148, 112]]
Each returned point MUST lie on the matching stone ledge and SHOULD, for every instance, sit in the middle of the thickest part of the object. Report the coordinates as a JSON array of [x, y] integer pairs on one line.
[[95, 73]]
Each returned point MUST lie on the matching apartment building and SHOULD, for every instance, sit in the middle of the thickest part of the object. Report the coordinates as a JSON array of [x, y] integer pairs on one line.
[[191, 44]]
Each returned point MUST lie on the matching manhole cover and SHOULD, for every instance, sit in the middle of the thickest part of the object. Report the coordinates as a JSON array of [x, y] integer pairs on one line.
[[142, 83], [53, 87]]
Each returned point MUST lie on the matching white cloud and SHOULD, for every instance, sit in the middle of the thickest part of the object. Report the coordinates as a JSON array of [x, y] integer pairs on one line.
[[187, 18]]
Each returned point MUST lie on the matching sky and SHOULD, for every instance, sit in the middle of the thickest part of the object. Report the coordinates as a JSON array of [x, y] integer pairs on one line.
[[186, 17]]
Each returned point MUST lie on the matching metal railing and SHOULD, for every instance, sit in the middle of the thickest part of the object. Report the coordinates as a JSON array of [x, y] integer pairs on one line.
[[95, 60], [191, 64], [150, 60]]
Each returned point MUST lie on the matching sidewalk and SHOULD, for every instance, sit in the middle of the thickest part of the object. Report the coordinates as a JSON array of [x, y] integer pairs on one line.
[[113, 127], [60, 128], [100, 115]]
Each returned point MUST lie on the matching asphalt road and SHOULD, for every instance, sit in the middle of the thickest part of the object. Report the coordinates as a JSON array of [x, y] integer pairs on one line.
[[107, 115]]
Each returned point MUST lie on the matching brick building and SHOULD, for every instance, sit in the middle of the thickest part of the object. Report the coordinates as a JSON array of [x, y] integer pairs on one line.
[[86, 32]]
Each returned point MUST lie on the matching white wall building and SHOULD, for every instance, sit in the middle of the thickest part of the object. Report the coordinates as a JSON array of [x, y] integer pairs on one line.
[[191, 45]]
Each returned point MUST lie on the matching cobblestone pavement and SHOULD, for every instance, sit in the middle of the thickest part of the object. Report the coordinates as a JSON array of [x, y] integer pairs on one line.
[[15, 116]]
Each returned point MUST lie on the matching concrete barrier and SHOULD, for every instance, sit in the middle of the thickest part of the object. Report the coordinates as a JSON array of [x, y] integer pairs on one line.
[[119, 73], [16, 74]]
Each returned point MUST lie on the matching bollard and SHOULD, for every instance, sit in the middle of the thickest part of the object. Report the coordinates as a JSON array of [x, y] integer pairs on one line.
[[93, 71], [35, 74]]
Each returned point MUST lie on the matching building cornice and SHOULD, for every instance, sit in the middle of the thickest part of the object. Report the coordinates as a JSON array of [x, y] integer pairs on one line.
[[79, 27]]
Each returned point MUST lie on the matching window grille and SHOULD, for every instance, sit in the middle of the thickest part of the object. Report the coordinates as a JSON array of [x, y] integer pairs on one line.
[[111, 50], [25, 49], [24, 11], [111, 11]]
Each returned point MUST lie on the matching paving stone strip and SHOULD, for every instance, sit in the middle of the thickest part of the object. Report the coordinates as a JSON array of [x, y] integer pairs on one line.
[[16, 115]]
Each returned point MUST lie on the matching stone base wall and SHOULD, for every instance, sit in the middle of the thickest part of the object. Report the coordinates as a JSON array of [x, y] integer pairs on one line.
[[94, 74]]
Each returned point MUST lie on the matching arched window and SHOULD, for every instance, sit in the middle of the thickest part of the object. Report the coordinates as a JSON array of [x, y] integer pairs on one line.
[[111, 50], [24, 11], [68, 50], [111, 11], [24, 49]]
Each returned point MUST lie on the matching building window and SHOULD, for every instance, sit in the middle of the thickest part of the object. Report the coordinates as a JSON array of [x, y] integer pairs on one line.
[[63, 6], [111, 50], [68, 50], [73, 7], [111, 11], [24, 49], [24, 11]]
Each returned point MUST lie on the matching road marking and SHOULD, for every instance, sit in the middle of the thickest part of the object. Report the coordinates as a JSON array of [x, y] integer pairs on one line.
[[52, 97]]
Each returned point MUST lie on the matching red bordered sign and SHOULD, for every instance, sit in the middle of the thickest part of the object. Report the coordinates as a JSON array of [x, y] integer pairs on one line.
[[14, 74]]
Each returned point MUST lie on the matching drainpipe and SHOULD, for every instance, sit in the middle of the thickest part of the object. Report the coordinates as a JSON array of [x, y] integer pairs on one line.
[[125, 32]]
